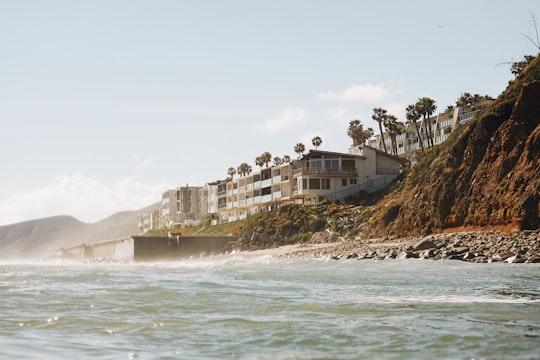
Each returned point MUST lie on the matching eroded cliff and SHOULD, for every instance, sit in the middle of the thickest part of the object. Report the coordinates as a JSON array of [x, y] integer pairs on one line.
[[486, 175]]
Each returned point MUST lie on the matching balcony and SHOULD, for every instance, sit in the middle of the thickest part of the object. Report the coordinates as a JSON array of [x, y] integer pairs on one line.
[[324, 171]]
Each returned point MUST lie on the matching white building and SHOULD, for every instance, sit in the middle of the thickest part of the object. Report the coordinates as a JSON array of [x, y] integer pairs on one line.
[[441, 127]]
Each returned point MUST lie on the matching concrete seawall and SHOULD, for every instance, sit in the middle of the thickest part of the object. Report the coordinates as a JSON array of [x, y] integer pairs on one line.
[[150, 248]]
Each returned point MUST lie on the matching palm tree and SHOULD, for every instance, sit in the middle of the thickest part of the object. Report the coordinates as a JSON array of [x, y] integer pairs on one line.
[[379, 115], [277, 161], [286, 159], [412, 115], [299, 149], [357, 133], [231, 171], [259, 161], [464, 99], [393, 128], [244, 169], [266, 157], [426, 108], [316, 141]]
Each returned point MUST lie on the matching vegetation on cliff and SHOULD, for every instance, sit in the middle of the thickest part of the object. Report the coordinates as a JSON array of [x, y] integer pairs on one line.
[[486, 175]]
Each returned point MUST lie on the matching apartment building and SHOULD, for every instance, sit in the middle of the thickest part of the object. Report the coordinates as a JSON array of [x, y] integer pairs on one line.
[[179, 207], [441, 126], [167, 209], [209, 199], [149, 221], [187, 211], [317, 176]]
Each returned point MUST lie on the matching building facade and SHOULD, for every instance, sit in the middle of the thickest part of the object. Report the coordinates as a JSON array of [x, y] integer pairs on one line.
[[441, 126], [316, 177]]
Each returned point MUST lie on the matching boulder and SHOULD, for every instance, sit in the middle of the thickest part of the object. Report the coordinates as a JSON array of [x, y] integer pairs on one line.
[[426, 254], [424, 244]]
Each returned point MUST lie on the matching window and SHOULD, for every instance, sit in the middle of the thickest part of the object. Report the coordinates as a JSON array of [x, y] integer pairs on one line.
[[353, 181], [314, 164], [348, 164], [325, 184], [314, 183], [343, 182], [331, 164], [304, 184]]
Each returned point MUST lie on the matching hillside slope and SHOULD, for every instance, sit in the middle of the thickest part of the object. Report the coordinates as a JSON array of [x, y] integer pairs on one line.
[[486, 175], [42, 237]]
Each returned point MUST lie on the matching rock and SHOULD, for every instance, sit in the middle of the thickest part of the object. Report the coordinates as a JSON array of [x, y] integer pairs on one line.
[[516, 259], [407, 255], [426, 254], [503, 256], [461, 249], [424, 244]]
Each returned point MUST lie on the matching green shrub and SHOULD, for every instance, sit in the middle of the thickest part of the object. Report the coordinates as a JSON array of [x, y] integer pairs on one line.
[[317, 225], [334, 225], [303, 237], [391, 214]]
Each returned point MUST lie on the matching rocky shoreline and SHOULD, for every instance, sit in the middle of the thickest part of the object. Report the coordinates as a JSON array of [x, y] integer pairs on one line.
[[477, 247]]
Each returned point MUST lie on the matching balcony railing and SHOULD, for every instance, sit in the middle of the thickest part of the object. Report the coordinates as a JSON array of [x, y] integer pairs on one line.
[[325, 171]]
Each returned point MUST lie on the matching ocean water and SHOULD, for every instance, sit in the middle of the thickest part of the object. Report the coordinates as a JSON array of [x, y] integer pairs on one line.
[[258, 307]]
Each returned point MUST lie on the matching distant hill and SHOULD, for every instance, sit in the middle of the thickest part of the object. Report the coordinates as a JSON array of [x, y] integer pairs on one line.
[[42, 237], [485, 176]]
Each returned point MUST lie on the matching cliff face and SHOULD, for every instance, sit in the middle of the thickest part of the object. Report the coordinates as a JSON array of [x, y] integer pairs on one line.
[[506, 184], [487, 174]]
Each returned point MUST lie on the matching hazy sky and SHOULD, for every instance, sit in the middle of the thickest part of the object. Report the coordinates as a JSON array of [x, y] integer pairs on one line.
[[105, 104]]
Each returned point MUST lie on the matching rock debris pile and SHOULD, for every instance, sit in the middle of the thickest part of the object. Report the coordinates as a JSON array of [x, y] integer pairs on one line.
[[478, 247]]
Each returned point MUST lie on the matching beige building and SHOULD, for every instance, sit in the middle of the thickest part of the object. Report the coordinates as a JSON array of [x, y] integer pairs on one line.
[[187, 211], [317, 176], [149, 221]]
